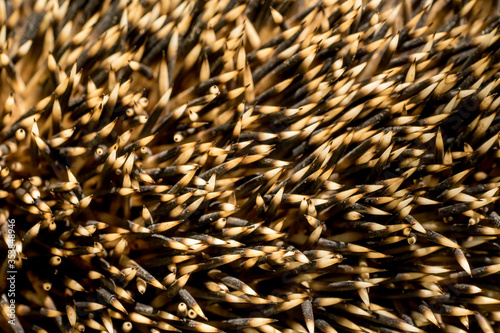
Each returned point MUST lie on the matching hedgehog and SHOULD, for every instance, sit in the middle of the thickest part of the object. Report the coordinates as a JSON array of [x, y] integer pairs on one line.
[[249, 166]]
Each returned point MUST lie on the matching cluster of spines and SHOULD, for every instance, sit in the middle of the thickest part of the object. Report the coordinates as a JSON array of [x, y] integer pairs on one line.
[[178, 161]]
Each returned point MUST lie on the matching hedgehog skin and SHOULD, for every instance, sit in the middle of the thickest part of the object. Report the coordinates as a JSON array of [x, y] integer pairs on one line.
[[248, 166]]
